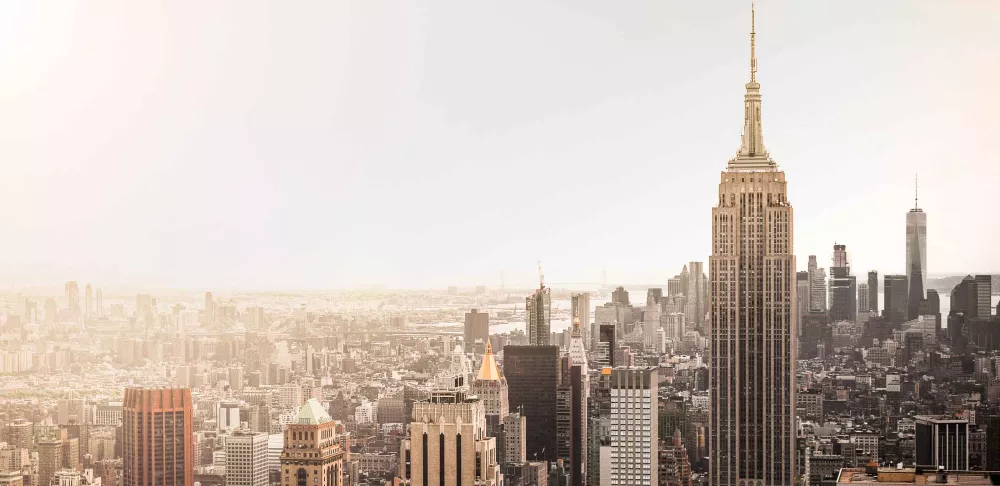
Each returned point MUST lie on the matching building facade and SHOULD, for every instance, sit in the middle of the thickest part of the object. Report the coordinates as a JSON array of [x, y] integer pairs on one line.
[[753, 336], [312, 454], [246, 459], [633, 432], [532, 374], [477, 328], [157, 431], [538, 309]]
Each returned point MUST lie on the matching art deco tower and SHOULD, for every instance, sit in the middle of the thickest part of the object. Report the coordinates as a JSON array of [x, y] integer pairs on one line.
[[752, 309]]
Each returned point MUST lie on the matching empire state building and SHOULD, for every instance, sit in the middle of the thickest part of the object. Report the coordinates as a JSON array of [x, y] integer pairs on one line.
[[753, 342]]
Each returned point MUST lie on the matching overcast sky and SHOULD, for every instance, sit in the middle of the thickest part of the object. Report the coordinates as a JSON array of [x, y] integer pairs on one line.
[[321, 144]]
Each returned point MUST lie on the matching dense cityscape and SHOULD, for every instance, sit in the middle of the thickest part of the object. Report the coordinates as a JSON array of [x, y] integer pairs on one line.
[[739, 370]]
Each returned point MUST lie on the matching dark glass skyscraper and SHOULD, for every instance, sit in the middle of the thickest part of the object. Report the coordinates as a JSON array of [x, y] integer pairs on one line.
[[532, 379]]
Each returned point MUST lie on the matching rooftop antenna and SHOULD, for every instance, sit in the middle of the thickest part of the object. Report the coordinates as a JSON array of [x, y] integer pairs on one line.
[[916, 191], [753, 38]]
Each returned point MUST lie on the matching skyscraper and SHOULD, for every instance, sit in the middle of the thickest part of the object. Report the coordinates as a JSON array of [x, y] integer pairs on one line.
[[916, 250], [801, 298], [817, 286], [697, 293], [157, 427], [312, 455], [895, 299], [634, 435], [580, 307], [873, 292], [843, 288], [491, 387], [73, 297], [532, 378], [538, 307], [448, 445], [984, 292], [753, 350], [100, 303], [246, 459], [477, 327], [863, 296], [571, 411]]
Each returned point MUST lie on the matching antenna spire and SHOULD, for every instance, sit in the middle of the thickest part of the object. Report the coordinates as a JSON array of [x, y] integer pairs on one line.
[[541, 276], [753, 42], [916, 191]]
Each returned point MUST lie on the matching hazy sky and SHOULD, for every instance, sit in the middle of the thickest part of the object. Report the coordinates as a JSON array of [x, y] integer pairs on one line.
[[318, 144]]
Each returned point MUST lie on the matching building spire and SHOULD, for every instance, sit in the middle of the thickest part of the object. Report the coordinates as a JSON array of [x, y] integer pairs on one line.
[[753, 43], [916, 192]]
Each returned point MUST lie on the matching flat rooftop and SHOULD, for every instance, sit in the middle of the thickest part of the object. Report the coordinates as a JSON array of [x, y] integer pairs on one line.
[[909, 476]]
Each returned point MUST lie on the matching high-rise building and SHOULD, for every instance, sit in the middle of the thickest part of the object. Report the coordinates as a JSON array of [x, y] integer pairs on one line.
[[477, 328], [634, 435], [843, 288], [312, 454], [580, 307], [895, 299], [571, 408], [100, 303], [599, 428], [873, 292], [801, 298], [227, 415], [515, 444], [448, 445], [941, 441], [753, 341], [157, 428], [620, 296], [697, 294], [209, 307], [491, 388], [817, 286], [246, 459], [984, 292], [73, 297], [606, 345], [674, 287], [863, 296], [674, 465], [532, 378], [50, 456], [538, 308], [916, 249]]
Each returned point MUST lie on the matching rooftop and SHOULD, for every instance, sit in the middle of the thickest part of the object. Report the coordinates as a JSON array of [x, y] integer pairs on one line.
[[312, 413], [908, 476]]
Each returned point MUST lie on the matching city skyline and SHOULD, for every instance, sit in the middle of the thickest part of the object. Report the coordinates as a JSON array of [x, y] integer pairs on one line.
[[230, 158]]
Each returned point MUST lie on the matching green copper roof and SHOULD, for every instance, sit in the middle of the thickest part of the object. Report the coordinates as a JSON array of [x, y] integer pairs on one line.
[[312, 413]]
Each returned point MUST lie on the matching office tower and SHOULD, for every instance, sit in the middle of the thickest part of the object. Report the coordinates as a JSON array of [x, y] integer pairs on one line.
[[873, 292], [697, 294], [448, 445], [532, 378], [674, 465], [916, 251], [227, 415], [965, 298], [312, 454], [753, 345], [246, 459], [984, 292], [634, 435], [236, 378], [88, 301], [100, 303], [538, 308], [254, 318], [863, 295], [477, 328], [620, 296], [606, 345], [654, 296], [157, 427], [801, 298], [895, 299], [73, 297], [941, 441], [571, 408], [19, 433], [843, 288], [599, 427], [580, 307], [674, 287], [491, 388], [515, 444], [50, 456], [817, 286]]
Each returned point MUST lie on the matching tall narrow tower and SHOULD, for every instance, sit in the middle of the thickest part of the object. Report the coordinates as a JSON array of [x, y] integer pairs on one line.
[[916, 250], [753, 350]]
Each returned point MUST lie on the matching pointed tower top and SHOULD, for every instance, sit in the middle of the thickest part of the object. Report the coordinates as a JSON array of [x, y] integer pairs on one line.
[[489, 371], [916, 192], [753, 38]]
